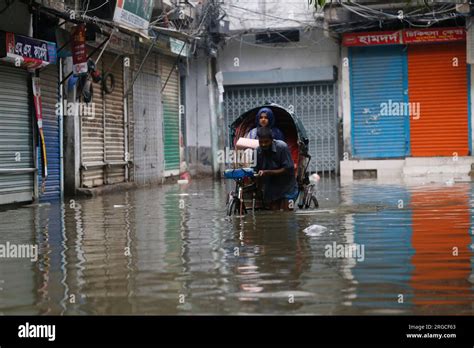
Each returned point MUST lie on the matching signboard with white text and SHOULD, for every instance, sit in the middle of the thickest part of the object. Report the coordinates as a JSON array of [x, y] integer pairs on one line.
[[134, 14]]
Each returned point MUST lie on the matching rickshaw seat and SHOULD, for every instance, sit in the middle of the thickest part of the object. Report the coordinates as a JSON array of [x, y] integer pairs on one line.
[[239, 173]]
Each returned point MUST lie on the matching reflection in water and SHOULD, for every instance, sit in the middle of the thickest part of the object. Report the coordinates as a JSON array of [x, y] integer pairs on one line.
[[386, 234], [441, 228], [172, 250], [269, 260], [49, 237], [17, 276]]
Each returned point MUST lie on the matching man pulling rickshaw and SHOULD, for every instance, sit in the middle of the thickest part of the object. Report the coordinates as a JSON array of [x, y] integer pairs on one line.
[[280, 178], [275, 171]]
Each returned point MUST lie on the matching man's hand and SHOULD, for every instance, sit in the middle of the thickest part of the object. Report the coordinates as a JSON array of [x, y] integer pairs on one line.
[[272, 172]]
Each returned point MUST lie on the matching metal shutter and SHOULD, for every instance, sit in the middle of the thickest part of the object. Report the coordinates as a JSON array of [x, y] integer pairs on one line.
[[114, 122], [92, 141], [16, 145], [103, 136], [170, 113], [148, 157], [150, 67], [441, 88], [378, 75], [50, 97], [313, 103]]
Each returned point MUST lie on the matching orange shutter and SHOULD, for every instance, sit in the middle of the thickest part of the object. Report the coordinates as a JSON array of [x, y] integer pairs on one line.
[[437, 79]]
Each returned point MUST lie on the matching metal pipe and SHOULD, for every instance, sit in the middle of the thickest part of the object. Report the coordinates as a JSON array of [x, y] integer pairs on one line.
[[141, 66], [196, 124], [104, 48], [61, 132], [104, 129], [125, 121], [172, 69]]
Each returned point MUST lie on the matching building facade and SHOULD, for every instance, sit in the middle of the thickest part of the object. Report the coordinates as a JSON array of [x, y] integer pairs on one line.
[[30, 158], [267, 53], [406, 91], [112, 118]]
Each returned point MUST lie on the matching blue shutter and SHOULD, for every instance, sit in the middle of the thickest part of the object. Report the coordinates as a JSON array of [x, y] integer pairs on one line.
[[378, 75], [50, 96]]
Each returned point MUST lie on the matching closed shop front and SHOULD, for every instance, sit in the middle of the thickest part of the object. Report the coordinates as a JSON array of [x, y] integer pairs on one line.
[[170, 100], [114, 122], [313, 103], [17, 168], [50, 97], [148, 126], [103, 147], [92, 140], [377, 80], [438, 84], [409, 93]]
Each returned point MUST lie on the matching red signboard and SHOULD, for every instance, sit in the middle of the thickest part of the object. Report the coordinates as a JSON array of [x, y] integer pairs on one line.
[[411, 36], [79, 52], [407, 36], [371, 39]]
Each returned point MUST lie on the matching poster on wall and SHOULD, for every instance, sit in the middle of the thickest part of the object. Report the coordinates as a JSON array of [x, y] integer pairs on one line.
[[134, 14]]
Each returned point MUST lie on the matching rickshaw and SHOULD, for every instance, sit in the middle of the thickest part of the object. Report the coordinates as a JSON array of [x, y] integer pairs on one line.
[[245, 195]]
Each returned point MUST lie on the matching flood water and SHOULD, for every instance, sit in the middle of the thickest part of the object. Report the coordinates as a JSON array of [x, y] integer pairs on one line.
[[171, 250]]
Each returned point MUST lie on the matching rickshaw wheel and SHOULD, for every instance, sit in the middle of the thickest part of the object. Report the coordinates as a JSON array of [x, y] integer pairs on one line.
[[310, 198], [233, 207]]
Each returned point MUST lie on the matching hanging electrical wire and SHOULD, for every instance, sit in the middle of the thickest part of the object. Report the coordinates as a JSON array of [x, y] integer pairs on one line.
[[93, 9], [370, 17], [309, 21]]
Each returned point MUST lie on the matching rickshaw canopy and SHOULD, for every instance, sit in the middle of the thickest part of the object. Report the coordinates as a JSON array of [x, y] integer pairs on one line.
[[282, 117]]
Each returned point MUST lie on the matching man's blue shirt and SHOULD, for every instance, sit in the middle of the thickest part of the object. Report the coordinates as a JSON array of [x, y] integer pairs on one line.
[[278, 156]]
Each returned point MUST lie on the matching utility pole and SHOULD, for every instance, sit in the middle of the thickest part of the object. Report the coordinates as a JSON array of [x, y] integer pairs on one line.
[[211, 85], [215, 113]]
